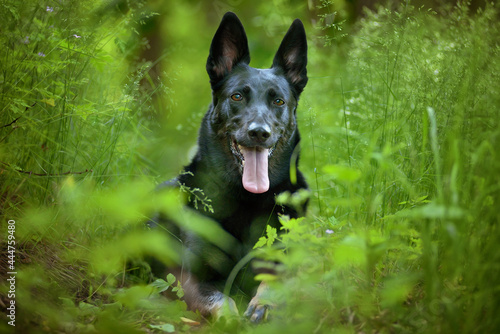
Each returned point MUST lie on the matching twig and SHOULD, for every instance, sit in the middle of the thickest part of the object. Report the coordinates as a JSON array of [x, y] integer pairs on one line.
[[55, 174], [48, 174], [6, 125]]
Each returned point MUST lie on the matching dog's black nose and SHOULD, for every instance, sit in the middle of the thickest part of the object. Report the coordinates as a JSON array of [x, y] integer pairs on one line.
[[259, 133]]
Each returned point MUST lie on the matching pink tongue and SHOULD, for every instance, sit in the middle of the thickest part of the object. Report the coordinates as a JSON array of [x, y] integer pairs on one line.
[[255, 178]]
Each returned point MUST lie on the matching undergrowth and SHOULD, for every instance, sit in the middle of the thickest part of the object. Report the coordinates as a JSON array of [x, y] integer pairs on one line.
[[400, 128]]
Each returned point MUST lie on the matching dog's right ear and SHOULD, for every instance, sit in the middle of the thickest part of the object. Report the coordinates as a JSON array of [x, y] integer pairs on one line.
[[229, 48]]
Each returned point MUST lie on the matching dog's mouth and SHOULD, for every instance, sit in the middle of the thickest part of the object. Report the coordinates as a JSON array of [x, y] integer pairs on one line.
[[253, 163]]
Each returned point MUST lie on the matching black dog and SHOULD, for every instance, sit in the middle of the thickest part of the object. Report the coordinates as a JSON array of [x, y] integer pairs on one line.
[[247, 145]]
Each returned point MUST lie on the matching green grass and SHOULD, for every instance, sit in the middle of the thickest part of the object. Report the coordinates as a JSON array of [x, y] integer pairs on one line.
[[400, 129]]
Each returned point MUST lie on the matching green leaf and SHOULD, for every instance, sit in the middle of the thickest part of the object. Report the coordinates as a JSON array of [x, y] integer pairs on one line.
[[161, 285], [262, 241], [396, 290], [114, 307], [171, 279], [168, 328], [135, 296], [351, 251], [266, 277], [88, 309], [179, 291], [430, 211], [66, 302], [271, 235], [342, 173], [49, 102]]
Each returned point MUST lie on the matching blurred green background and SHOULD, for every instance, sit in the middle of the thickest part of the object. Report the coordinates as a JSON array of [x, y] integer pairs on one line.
[[101, 101]]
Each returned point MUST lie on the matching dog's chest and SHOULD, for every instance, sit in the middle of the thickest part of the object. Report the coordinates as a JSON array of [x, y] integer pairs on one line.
[[245, 219]]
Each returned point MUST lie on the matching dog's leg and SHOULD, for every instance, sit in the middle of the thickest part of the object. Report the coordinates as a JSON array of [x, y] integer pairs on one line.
[[207, 300], [257, 311]]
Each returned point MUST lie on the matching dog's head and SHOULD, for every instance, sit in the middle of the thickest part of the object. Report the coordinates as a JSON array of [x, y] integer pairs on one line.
[[253, 110]]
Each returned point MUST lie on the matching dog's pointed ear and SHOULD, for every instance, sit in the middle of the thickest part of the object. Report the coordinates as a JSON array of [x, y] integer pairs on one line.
[[292, 56], [229, 48]]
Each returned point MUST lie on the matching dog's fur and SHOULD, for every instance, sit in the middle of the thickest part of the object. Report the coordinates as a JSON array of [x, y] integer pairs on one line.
[[247, 142]]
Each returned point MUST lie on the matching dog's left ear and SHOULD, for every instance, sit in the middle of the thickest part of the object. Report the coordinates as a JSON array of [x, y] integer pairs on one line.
[[292, 56], [229, 48]]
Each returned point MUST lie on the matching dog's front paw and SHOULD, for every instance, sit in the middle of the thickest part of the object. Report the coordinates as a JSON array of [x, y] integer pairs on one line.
[[225, 307], [258, 308], [256, 311]]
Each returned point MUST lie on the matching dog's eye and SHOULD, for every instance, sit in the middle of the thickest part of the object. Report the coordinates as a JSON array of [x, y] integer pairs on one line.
[[237, 97], [279, 102]]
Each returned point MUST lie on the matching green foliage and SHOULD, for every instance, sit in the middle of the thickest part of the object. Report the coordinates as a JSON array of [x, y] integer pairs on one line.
[[397, 178], [399, 134], [267, 240], [163, 285]]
